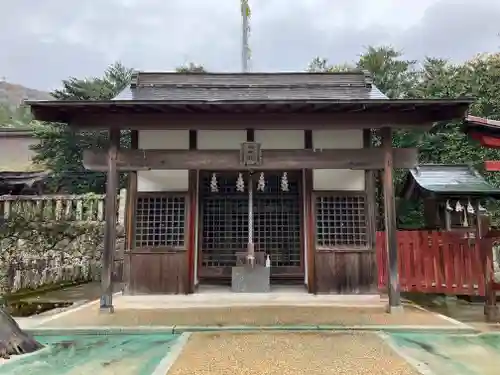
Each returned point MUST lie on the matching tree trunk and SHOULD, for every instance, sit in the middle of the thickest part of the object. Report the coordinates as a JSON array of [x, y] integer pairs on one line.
[[13, 340]]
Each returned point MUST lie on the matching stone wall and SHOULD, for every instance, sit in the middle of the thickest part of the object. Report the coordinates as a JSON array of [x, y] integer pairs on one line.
[[51, 240]]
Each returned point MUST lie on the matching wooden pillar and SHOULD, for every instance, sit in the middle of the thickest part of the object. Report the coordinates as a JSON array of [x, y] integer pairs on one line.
[[130, 208], [371, 212], [390, 223], [485, 245], [131, 197], [309, 221], [192, 219], [108, 255], [191, 228], [309, 230]]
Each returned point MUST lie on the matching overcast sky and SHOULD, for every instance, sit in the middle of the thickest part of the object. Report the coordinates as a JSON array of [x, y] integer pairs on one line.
[[44, 41]]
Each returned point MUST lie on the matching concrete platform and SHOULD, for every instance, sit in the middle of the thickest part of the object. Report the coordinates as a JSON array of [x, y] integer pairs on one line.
[[221, 298]]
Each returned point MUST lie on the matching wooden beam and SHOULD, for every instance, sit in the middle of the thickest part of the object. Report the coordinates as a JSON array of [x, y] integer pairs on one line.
[[108, 255], [223, 121], [486, 140], [390, 223], [361, 159]]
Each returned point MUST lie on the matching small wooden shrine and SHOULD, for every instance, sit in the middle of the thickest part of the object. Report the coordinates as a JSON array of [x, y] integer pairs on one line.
[[452, 195], [487, 132], [224, 167]]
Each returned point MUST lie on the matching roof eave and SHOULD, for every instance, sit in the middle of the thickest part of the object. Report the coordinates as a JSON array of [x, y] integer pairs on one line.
[[481, 125], [129, 102], [64, 111]]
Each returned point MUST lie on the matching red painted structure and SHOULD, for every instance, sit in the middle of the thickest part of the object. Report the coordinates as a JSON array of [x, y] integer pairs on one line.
[[487, 132], [435, 262]]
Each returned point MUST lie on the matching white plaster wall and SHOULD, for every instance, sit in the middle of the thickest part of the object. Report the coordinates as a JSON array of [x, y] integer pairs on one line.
[[221, 139], [338, 179], [330, 139], [280, 139], [16, 153], [164, 139], [163, 180]]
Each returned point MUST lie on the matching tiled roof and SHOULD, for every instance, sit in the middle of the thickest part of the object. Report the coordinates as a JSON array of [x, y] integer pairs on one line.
[[451, 179], [475, 121], [251, 86]]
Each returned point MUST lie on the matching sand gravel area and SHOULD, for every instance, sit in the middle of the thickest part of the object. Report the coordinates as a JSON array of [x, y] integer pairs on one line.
[[251, 316], [288, 354]]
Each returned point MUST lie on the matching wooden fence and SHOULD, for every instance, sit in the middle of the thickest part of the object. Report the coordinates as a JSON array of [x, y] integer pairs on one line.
[[87, 207], [434, 262]]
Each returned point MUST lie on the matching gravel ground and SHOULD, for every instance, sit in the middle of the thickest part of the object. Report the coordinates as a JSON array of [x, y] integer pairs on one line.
[[288, 354], [252, 316]]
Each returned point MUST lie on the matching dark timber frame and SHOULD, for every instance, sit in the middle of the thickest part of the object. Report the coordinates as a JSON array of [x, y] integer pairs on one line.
[[217, 110], [220, 273], [110, 223]]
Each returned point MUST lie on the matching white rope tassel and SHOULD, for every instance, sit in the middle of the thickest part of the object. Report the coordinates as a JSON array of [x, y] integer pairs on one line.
[[284, 182], [240, 183], [470, 209], [261, 185], [214, 187]]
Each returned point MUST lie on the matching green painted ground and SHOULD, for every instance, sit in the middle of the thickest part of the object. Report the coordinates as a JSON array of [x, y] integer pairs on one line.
[[140, 354], [94, 354], [452, 354]]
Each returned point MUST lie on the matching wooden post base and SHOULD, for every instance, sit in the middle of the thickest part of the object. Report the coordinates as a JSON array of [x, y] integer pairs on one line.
[[394, 309], [107, 309], [492, 313]]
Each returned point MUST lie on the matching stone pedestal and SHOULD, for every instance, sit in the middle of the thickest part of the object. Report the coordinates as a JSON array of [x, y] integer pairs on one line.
[[247, 279]]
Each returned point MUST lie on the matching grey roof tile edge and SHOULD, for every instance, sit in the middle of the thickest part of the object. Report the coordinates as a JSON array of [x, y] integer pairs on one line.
[[476, 184]]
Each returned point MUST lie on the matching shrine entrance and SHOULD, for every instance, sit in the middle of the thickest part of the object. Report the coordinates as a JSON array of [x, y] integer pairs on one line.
[[224, 218]]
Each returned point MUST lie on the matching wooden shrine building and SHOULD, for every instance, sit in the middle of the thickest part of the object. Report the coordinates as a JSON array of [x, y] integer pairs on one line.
[[451, 195], [301, 143]]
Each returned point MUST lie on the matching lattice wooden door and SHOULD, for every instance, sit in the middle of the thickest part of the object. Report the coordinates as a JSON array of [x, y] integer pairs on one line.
[[224, 223]]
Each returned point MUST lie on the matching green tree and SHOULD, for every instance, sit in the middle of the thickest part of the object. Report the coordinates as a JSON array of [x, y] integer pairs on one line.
[[433, 78], [191, 68], [14, 116], [318, 65], [60, 149], [392, 74]]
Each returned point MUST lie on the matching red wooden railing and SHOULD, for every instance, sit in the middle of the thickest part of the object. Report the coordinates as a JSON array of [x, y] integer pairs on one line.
[[434, 262]]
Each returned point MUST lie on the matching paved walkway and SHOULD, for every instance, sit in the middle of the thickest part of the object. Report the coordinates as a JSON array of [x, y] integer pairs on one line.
[[248, 310], [469, 313], [227, 299]]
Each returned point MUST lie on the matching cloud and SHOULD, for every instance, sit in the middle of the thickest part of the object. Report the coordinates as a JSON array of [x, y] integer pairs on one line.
[[46, 41]]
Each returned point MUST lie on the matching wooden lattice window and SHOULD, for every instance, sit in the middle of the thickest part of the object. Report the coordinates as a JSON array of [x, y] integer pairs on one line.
[[341, 221], [160, 221]]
